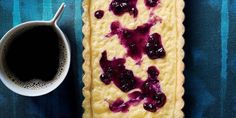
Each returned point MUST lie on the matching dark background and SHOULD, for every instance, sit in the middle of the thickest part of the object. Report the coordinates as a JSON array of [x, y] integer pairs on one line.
[[207, 23]]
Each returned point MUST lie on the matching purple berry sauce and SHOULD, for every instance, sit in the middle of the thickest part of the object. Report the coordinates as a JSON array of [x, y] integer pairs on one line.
[[149, 90], [115, 71], [120, 7], [138, 41], [154, 48]]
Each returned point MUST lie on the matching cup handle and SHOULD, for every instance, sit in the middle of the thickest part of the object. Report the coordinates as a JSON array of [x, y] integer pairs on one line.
[[58, 14]]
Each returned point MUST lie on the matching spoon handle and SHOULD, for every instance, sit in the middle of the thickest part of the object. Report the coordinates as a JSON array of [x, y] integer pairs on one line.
[[58, 14]]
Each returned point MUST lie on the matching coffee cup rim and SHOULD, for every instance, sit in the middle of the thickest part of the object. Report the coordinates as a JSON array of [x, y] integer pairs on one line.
[[42, 90]]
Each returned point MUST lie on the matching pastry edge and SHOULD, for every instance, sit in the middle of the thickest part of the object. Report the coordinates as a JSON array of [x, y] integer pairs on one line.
[[180, 64], [178, 113], [86, 65]]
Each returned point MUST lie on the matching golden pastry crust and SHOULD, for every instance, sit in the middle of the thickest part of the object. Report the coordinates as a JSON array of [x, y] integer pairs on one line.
[[86, 65], [171, 77], [180, 65]]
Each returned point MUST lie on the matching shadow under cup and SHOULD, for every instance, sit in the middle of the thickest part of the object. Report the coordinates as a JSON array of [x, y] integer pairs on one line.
[[15, 40]]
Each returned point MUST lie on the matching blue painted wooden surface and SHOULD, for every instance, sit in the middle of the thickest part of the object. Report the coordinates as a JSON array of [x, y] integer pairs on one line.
[[65, 101], [210, 60]]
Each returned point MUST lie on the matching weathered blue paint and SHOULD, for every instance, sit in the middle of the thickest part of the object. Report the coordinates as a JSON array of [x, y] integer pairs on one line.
[[224, 53], [47, 10]]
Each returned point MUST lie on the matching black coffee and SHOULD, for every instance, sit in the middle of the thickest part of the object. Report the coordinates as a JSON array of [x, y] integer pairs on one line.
[[34, 54]]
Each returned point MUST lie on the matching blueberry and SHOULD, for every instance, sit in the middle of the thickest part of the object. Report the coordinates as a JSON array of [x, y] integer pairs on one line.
[[153, 72], [160, 99], [149, 107], [99, 14], [151, 3], [133, 11], [124, 4], [155, 53], [118, 10], [161, 52], [154, 48], [146, 87], [105, 79], [119, 7], [127, 81], [155, 36]]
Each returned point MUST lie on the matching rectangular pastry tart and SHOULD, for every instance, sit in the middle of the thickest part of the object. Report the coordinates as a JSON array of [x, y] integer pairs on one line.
[[133, 58]]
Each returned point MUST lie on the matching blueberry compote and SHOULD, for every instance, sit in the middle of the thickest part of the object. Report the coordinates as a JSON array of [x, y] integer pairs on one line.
[[119, 7], [115, 71], [138, 41], [154, 48], [152, 3], [149, 91], [99, 14]]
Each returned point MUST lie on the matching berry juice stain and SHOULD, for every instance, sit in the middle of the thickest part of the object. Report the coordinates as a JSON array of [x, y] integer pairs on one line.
[[139, 41], [120, 7], [149, 90]]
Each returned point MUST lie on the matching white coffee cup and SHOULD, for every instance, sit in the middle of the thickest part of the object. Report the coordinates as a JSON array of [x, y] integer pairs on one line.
[[30, 88]]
